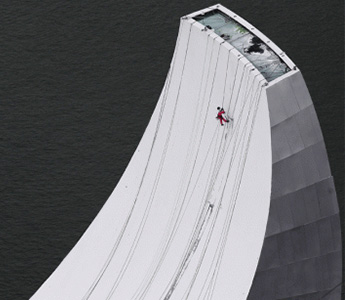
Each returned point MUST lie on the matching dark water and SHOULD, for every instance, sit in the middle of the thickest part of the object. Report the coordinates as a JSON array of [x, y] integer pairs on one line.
[[79, 81]]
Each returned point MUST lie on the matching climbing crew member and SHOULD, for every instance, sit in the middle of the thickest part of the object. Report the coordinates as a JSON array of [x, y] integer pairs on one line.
[[220, 116]]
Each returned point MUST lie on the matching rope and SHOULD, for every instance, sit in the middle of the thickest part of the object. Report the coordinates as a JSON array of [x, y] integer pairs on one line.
[[191, 247], [231, 208], [169, 226], [117, 242], [142, 224], [206, 243], [209, 211], [210, 95]]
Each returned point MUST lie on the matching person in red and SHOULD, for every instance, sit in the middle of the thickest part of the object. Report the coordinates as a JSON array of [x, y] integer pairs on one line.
[[220, 114]]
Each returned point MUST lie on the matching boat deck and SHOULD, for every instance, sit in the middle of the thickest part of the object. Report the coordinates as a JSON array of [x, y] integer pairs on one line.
[[252, 47]]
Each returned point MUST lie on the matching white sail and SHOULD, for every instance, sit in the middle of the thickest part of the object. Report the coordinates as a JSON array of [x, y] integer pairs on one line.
[[188, 218]]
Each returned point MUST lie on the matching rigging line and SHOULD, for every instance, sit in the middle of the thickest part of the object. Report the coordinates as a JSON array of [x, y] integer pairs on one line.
[[218, 161], [100, 274], [138, 235], [193, 248], [235, 134], [235, 131], [206, 203], [188, 253], [221, 139], [215, 72], [113, 250], [210, 93], [204, 125], [226, 79], [229, 169], [192, 245], [142, 223], [236, 182], [225, 236], [212, 180], [200, 212], [192, 141], [226, 76], [201, 258], [239, 88], [223, 243], [180, 219], [220, 202], [202, 79], [160, 169], [247, 117], [174, 230], [219, 247], [247, 70], [211, 184], [203, 128], [213, 78], [204, 251], [235, 77], [203, 165], [207, 191], [217, 166], [242, 110], [213, 166], [246, 92], [163, 255]]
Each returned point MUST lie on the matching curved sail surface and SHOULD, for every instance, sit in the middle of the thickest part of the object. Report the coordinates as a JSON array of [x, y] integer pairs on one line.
[[201, 206]]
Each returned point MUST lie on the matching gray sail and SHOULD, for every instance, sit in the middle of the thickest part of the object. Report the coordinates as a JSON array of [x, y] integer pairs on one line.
[[301, 257]]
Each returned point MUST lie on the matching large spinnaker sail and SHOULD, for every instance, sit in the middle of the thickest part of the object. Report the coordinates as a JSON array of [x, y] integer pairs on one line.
[[192, 214]]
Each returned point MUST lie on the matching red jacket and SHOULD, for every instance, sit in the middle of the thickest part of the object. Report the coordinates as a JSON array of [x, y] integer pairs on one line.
[[219, 115]]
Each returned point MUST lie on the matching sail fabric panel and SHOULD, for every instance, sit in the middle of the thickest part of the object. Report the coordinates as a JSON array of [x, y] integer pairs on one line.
[[167, 230]]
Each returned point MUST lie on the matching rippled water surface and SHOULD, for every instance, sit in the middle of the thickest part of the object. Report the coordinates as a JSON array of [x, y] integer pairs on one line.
[[79, 82]]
